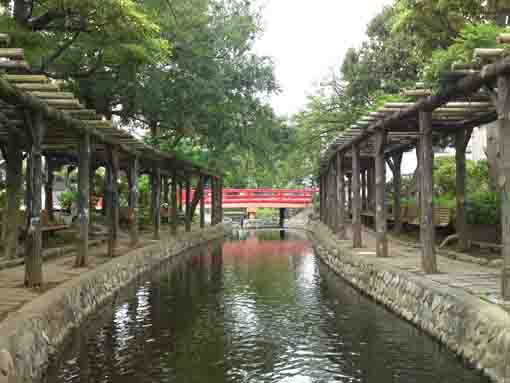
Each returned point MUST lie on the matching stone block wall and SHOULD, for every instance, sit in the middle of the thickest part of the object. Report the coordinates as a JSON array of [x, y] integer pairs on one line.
[[39, 328], [474, 329]]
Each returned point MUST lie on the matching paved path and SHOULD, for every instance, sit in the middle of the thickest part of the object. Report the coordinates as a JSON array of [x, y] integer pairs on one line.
[[13, 294], [478, 280]]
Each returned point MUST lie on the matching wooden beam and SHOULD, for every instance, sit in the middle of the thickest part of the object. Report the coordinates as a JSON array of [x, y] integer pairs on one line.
[[461, 141], [356, 198], [380, 196], [427, 228], [83, 200]]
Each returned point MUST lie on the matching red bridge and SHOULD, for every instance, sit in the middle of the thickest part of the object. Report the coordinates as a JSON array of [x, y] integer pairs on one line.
[[269, 198]]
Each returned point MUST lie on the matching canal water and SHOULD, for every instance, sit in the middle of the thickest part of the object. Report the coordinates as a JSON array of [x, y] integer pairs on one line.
[[259, 308]]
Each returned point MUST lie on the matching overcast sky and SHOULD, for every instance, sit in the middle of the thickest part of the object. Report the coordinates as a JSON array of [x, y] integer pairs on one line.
[[307, 38]]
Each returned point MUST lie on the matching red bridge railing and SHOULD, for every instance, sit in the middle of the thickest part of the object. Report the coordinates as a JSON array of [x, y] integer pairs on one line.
[[264, 196]]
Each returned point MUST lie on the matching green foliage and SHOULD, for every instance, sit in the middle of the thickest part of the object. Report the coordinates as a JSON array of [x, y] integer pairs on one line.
[[483, 207], [470, 37], [67, 198]]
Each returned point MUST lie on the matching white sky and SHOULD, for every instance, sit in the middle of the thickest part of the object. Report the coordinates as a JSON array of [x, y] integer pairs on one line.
[[307, 38]]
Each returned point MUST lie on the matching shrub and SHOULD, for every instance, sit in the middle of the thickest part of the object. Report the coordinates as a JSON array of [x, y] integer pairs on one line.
[[66, 199], [483, 208]]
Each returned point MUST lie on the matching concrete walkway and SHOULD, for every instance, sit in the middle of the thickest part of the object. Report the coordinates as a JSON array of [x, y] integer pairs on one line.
[[13, 295], [482, 281]]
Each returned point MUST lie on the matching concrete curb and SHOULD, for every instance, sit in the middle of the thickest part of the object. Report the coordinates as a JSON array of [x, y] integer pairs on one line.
[[474, 329], [35, 332]]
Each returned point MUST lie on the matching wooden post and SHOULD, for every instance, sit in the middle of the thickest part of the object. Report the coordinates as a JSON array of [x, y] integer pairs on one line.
[[48, 189], [321, 198], [202, 204], [462, 138], [188, 205], [326, 197], [427, 229], [14, 182], [380, 195], [356, 198], [330, 190], [180, 197], [220, 200], [166, 196], [395, 164], [364, 189], [340, 196], [349, 193], [112, 177], [156, 200], [213, 201], [334, 197], [419, 174], [503, 108], [133, 201], [281, 224], [173, 208], [83, 200], [33, 241]]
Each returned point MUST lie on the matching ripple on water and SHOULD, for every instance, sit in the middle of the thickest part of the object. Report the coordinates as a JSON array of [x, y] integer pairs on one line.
[[257, 310]]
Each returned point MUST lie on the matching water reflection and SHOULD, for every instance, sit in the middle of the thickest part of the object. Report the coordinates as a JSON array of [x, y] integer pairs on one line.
[[259, 309]]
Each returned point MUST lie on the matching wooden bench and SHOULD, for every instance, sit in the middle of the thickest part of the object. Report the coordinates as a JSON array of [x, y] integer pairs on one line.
[[49, 228]]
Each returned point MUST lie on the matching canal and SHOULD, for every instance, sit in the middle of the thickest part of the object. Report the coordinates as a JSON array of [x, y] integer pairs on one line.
[[261, 308]]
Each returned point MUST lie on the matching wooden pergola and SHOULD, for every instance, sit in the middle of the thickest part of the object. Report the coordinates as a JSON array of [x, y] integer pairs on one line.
[[38, 119], [476, 94]]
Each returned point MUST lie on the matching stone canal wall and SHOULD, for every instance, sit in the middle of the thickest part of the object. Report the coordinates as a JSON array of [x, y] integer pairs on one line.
[[36, 331], [475, 329]]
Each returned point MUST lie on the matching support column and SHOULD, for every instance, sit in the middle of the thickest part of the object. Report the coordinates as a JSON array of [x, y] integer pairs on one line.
[[503, 108], [380, 195], [14, 182], [282, 218], [356, 198], [133, 201], [364, 205], [220, 202], [349, 193], [48, 189], [173, 208], [166, 197], [188, 205], [340, 196], [427, 229], [156, 201], [180, 197], [112, 177], [461, 140], [202, 203], [213, 201], [419, 174], [395, 164], [83, 200], [33, 241], [321, 198]]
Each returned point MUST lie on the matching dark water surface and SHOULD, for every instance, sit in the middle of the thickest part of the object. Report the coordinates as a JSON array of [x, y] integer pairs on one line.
[[260, 309]]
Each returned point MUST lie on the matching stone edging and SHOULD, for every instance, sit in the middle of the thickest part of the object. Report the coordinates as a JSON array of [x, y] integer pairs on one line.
[[35, 332], [472, 328]]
